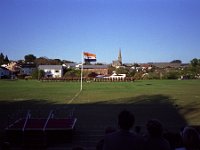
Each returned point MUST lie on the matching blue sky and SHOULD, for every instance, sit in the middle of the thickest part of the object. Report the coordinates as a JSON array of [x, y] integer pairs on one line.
[[145, 30]]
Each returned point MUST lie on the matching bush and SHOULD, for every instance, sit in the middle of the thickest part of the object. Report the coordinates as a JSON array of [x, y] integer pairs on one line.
[[92, 75], [5, 77], [153, 75], [172, 75], [28, 77], [20, 76], [38, 74], [138, 75], [72, 73]]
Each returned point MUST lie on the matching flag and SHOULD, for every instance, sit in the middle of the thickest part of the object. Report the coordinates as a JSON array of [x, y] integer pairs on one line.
[[89, 56]]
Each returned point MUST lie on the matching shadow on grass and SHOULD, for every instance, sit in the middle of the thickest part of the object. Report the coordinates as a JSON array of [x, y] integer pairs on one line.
[[97, 116]]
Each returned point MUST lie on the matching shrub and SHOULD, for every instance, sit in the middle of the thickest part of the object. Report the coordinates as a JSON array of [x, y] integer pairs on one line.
[[172, 75]]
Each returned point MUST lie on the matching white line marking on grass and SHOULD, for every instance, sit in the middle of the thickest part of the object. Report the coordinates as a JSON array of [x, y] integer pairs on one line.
[[77, 94]]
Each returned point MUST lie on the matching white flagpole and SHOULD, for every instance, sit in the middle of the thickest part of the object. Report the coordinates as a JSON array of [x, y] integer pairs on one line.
[[82, 73]]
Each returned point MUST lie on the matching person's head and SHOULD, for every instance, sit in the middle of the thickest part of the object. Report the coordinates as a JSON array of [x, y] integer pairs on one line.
[[190, 137], [154, 128], [126, 120]]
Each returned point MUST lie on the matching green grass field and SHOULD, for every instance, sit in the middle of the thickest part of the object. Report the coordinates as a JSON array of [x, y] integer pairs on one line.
[[174, 102], [182, 92]]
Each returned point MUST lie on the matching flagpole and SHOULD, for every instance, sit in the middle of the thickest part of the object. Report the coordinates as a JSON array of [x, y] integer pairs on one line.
[[82, 73]]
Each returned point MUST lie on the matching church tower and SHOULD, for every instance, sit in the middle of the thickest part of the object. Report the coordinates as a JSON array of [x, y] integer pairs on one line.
[[118, 62], [120, 57]]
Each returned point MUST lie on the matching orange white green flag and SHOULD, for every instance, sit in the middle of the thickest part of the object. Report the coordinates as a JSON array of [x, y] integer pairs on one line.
[[89, 56]]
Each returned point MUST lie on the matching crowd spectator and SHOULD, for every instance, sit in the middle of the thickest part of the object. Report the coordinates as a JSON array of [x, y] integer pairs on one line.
[[123, 139], [155, 139], [174, 139], [191, 139], [108, 130]]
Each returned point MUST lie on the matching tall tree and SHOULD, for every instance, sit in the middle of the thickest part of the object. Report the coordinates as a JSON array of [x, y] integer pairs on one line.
[[55, 62], [42, 61], [1, 58], [29, 58], [6, 60], [195, 62]]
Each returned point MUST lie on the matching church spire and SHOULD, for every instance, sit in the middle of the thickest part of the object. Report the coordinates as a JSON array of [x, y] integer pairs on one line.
[[120, 57]]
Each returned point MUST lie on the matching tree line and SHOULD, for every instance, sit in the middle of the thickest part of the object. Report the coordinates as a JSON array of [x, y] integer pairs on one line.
[[3, 59], [30, 58]]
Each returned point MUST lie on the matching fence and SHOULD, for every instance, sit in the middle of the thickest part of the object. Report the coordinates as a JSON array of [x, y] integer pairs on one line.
[[77, 79]]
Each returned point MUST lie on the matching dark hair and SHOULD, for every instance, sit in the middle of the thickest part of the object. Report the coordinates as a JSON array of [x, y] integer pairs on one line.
[[191, 138], [126, 120], [154, 128]]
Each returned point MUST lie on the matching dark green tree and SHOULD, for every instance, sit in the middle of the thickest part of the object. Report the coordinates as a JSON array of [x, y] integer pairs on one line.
[[92, 75], [194, 68], [55, 62], [72, 73], [1, 58], [42, 61], [194, 62], [38, 74], [29, 58], [136, 65], [111, 69], [176, 61], [41, 74], [172, 74], [6, 60], [35, 74], [122, 71], [131, 73]]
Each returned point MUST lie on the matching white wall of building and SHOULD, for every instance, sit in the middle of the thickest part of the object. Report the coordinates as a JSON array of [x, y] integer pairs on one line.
[[54, 73]]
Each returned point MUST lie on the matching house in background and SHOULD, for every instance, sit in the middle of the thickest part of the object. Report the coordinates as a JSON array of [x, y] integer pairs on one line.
[[54, 71], [142, 67], [27, 69], [4, 72], [69, 65], [117, 76]]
